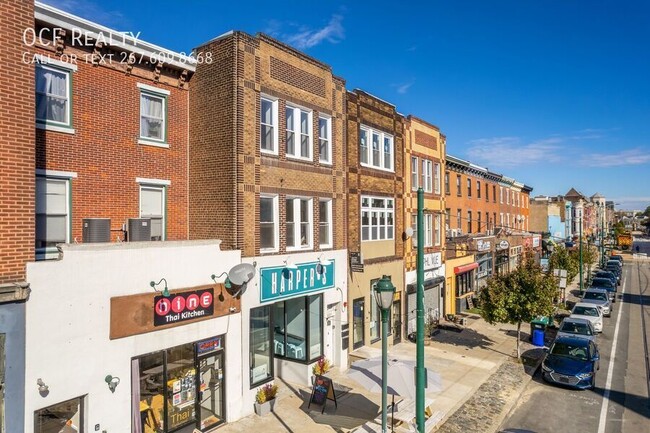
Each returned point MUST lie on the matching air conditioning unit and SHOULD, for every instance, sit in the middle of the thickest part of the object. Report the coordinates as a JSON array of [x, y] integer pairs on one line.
[[139, 229], [96, 230]]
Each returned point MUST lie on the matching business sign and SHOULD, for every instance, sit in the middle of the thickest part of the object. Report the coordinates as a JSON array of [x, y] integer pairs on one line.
[[280, 282], [503, 245], [482, 245], [432, 260], [536, 241], [183, 306], [356, 262], [209, 345]]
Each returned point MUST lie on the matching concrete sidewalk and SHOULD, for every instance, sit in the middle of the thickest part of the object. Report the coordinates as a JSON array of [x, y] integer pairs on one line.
[[463, 360]]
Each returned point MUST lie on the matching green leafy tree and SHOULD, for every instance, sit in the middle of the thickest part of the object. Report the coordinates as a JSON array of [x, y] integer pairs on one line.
[[561, 259], [519, 296]]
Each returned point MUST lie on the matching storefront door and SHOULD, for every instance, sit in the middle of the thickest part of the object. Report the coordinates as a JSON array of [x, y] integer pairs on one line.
[[358, 331], [210, 402], [397, 322]]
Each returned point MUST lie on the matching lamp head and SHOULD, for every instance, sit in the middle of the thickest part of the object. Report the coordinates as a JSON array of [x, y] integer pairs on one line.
[[112, 382], [42, 387], [165, 290], [384, 292]]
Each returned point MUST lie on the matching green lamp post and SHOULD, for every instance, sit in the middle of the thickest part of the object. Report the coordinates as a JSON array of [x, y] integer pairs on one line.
[[384, 293]]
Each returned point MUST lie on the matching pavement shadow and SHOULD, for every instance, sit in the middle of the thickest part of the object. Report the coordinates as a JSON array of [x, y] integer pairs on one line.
[[532, 359], [630, 298], [633, 402], [351, 410], [466, 337]]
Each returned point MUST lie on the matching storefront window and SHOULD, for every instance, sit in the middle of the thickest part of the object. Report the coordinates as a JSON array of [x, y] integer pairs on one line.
[[260, 349], [295, 331], [150, 370], [181, 386], [464, 283], [61, 417]]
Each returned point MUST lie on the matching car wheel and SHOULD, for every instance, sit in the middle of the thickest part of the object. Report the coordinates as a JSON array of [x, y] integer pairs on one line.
[[593, 382]]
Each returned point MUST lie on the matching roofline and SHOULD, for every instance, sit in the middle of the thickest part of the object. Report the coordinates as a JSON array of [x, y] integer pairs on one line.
[[51, 15], [357, 90], [419, 119]]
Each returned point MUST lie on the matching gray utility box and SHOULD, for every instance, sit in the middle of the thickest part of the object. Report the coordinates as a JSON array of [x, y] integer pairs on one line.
[[96, 230], [139, 229]]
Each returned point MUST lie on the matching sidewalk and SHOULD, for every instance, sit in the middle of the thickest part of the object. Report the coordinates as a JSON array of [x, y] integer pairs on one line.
[[463, 360]]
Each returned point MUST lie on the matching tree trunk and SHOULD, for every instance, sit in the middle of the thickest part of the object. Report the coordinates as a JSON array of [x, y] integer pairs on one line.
[[518, 339]]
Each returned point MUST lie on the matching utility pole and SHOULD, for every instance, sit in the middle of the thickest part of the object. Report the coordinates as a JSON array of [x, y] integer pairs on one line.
[[581, 286], [419, 358]]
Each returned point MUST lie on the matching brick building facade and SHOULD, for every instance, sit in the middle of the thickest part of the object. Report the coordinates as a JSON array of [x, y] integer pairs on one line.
[[268, 177], [375, 137]]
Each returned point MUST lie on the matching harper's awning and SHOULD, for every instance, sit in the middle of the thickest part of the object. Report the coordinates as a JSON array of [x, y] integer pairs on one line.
[[465, 268]]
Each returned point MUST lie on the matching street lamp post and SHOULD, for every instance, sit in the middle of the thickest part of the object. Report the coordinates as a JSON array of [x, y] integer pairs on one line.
[[581, 286], [384, 293]]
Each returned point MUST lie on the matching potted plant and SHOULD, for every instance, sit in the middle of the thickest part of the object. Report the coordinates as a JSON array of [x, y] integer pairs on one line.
[[321, 367], [265, 399]]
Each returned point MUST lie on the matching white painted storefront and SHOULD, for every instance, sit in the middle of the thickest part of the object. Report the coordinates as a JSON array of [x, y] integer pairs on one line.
[[69, 325], [434, 281]]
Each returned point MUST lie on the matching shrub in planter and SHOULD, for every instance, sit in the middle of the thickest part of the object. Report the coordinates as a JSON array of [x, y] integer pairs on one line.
[[265, 399], [321, 367]]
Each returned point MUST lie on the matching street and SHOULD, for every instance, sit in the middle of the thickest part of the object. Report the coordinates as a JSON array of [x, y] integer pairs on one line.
[[620, 402]]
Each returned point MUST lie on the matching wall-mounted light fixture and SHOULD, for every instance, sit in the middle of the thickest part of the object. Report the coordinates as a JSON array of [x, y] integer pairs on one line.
[[42, 388], [236, 279], [165, 290], [322, 262], [112, 382]]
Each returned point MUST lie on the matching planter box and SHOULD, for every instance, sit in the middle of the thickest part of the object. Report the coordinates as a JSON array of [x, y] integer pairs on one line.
[[265, 408]]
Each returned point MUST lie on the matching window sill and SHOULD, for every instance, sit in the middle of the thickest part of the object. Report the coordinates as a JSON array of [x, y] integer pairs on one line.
[[55, 128], [299, 158], [327, 163], [268, 251], [293, 249], [268, 152], [153, 143]]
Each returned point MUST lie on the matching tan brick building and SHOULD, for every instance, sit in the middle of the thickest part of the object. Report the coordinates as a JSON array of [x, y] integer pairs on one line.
[[268, 177], [424, 162], [375, 137]]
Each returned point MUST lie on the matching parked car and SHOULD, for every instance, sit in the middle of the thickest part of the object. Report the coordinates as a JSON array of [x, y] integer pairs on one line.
[[607, 274], [615, 270], [616, 257], [599, 297], [591, 312], [614, 262], [574, 327], [572, 361], [605, 283]]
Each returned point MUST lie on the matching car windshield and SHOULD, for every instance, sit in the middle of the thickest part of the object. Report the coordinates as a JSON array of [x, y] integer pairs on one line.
[[586, 311], [576, 328], [570, 351], [595, 295], [601, 282]]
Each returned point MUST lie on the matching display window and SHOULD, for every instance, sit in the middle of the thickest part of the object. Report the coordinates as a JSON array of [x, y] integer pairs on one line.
[[179, 389], [66, 416]]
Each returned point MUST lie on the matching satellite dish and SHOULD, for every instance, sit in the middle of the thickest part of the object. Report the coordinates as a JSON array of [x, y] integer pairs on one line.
[[409, 232], [240, 275]]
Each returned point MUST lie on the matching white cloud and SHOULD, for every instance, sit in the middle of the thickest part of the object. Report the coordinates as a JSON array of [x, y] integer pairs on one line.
[[306, 37], [511, 151], [403, 88], [635, 156]]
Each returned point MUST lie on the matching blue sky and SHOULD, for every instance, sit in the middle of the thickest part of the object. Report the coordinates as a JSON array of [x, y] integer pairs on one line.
[[553, 93]]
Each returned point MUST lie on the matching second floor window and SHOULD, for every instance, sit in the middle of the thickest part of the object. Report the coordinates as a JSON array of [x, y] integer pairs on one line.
[[269, 223], [436, 233], [153, 110], [299, 223], [469, 187], [376, 149], [436, 178], [487, 192], [298, 133], [459, 218], [269, 125], [152, 206], [494, 193], [478, 222], [458, 186], [447, 182], [414, 173], [478, 189], [469, 221], [325, 223], [52, 215], [428, 230], [53, 96], [427, 183], [325, 139], [377, 218]]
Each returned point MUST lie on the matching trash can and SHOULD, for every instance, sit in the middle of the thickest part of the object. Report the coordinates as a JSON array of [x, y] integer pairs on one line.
[[538, 338], [538, 324]]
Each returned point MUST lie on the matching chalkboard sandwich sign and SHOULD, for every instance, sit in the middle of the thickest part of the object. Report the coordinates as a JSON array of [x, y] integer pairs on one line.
[[322, 390]]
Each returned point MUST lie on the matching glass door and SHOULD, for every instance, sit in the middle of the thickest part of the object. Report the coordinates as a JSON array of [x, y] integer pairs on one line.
[[211, 391], [358, 331], [397, 322]]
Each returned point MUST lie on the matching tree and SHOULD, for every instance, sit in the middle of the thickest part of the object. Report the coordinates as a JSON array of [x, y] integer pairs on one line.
[[561, 259], [519, 296]]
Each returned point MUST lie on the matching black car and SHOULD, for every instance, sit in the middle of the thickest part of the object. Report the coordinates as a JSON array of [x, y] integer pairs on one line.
[[614, 270], [616, 257], [607, 274]]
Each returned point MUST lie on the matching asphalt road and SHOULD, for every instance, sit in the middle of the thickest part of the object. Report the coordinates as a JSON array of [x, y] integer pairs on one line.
[[621, 401]]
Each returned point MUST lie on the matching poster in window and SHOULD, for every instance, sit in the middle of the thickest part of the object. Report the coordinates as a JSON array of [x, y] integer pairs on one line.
[[176, 387], [177, 399]]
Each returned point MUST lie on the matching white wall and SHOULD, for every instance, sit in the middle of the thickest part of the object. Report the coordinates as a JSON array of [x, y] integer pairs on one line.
[[288, 370], [68, 323]]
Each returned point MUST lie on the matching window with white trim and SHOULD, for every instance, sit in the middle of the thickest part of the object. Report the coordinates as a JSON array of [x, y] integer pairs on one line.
[[152, 206], [501, 219], [414, 226], [269, 223], [436, 178], [469, 187], [153, 114], [377, 218], [478, 189], [437, 234], [501, 194], [299, 223], [414, 173], [459, 219], [376, 149], [325, 223], [428, 230], [299, 131], [268, 125], [53, 96], [427, 183], [325, 139], [52, 215]]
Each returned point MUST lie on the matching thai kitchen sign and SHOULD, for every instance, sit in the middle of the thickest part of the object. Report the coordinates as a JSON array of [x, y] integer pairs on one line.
[[183, 306], [280, 282]]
